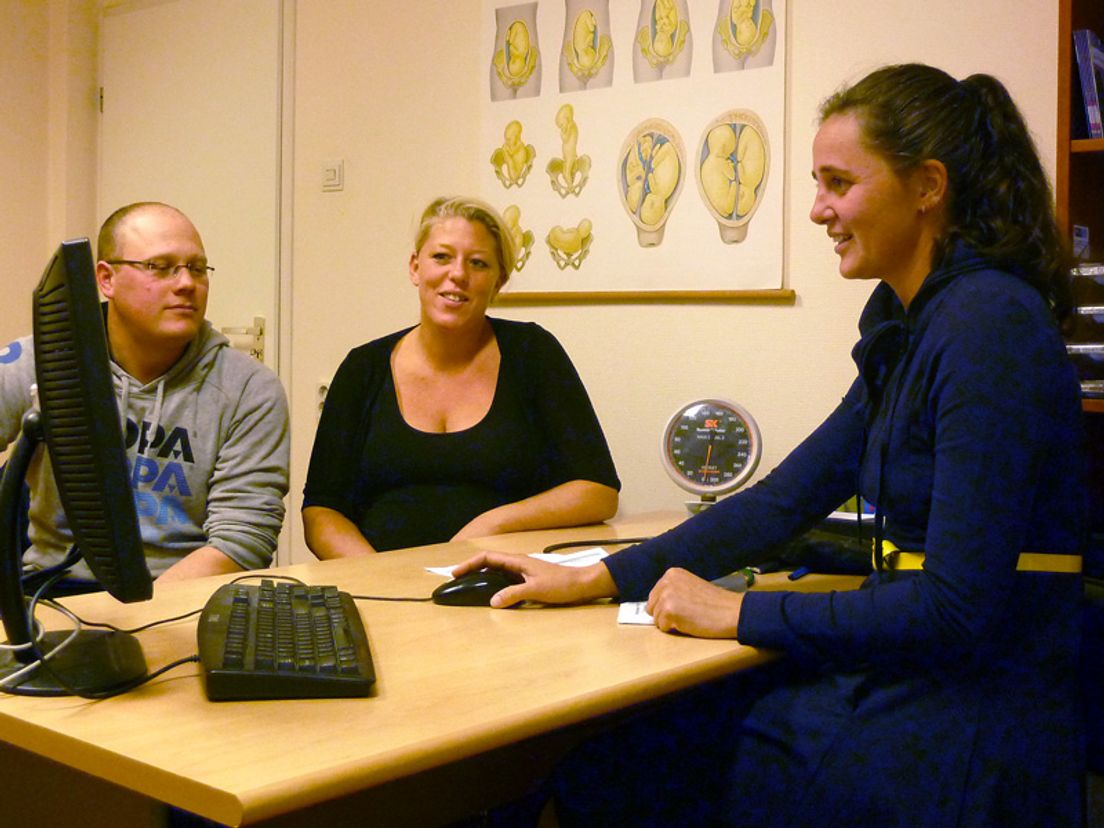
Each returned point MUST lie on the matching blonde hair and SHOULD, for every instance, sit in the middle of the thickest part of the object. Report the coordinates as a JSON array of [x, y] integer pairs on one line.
[[472, 209]]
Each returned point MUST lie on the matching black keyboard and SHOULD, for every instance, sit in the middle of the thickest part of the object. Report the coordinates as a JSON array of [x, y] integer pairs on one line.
[[277, 640]]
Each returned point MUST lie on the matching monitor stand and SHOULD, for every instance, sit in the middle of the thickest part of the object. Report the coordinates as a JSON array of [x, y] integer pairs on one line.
[[94, 661]]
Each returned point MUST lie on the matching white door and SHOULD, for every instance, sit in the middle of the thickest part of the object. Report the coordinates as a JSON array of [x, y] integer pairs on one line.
[[191, 116]]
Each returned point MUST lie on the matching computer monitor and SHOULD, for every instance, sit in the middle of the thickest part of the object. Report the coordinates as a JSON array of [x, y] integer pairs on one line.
[[80, 424]]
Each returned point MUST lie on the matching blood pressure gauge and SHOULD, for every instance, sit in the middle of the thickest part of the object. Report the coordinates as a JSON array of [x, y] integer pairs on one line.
[[710, 447]]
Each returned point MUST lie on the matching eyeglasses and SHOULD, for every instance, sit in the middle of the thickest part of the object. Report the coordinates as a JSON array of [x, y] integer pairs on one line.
[[167, 270]]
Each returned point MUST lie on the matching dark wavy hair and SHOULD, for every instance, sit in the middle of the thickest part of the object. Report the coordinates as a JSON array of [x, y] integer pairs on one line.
[[999, 199]]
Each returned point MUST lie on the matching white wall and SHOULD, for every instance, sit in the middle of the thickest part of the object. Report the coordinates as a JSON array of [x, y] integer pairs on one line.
[[73, 141], [47, 142], [23, 159], [396, 100], [393, 90], [400, 103]]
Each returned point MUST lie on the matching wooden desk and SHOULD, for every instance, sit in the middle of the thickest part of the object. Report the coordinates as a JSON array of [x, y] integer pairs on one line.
[[454, 684]]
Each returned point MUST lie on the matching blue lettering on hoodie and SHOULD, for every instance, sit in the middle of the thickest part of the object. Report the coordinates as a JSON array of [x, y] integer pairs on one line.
[[11, 353], [163, 508], [159, 484], [177, 444], [172, 478]]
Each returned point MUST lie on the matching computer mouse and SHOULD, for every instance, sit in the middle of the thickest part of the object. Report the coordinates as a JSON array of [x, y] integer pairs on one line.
[[475, 588]]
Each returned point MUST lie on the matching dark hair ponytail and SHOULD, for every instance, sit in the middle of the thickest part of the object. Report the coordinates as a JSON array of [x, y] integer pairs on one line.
[[999, 199]]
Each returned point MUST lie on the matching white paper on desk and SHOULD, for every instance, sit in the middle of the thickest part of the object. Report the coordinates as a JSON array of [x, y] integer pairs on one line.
[[584, 557], [633, 612], [849, 517]]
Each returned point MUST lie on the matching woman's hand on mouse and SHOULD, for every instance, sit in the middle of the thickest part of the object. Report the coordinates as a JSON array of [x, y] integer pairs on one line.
[[546, 583], [684, 602]]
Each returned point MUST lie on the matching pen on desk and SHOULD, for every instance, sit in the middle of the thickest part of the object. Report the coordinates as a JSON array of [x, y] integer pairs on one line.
[[800, 572]]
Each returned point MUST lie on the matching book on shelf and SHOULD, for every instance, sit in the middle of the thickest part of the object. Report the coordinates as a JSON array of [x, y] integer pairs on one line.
[[1089, 55], [1081, 241], [1086, 325], [1088, 361], [1087, 284]]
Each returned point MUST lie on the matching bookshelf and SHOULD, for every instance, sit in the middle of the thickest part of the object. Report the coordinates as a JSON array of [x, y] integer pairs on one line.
[[1079, 171], [1079, 167], [1078, 184]]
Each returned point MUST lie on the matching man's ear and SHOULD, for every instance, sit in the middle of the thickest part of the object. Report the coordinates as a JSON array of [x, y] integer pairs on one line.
[[105, 279]]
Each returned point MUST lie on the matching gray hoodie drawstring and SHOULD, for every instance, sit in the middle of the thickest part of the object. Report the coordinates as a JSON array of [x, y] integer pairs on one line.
[[124, 399], [158, 400]]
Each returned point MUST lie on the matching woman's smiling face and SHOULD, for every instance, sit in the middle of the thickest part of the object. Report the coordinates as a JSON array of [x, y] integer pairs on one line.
[[872, 213], [457, 272]]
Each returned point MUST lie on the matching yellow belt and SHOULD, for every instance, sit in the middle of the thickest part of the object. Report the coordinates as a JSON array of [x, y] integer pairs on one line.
[[896, 559]]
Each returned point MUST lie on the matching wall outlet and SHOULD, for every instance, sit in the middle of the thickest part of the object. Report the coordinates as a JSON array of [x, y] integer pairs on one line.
[[333, 176]]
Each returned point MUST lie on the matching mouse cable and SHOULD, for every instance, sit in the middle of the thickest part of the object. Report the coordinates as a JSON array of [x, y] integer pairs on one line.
[[108, 626], [556, 547], [302, 583], [389, 598]]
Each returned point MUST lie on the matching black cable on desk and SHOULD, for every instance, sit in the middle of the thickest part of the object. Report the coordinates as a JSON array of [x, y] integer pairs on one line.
[[107, 626], [123, 688], [43, 663], [390, 598], [556, 547]]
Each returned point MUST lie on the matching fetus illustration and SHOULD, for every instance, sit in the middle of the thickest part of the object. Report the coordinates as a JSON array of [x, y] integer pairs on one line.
[[751, 167], [569, 246], [568, 174], [718, 170], [744, 31], [732, 171], [514, 159], [515, 65], [523, 239], [662, 38], [651, 174], [635, 170], [587, 48], [661, 182]]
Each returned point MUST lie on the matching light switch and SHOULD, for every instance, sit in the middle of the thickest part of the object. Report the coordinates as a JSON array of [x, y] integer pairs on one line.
[[333, 176]]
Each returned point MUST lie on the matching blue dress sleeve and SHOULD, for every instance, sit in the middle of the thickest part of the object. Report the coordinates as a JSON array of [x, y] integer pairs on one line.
[[741, 530], [982, 461]]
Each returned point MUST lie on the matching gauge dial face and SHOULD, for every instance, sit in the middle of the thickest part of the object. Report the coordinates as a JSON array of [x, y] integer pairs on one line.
[[711, 446]]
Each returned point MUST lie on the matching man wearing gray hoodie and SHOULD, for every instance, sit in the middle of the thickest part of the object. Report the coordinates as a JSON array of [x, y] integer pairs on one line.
[[206, 426]]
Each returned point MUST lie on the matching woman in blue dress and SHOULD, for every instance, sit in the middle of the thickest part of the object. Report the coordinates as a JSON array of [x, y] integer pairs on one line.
[[943, 692]]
